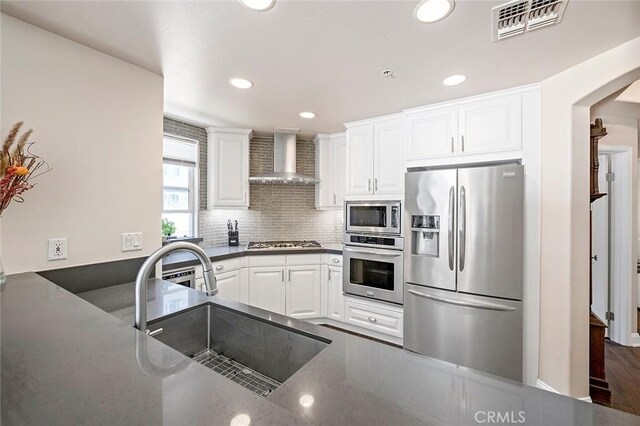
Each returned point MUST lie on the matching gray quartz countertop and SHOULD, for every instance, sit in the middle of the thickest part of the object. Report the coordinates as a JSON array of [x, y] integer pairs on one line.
[[65, 361], [183, 259]]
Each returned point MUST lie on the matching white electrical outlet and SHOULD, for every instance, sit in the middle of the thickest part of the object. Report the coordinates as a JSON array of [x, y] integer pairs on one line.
[[131, 241], [57, 248]]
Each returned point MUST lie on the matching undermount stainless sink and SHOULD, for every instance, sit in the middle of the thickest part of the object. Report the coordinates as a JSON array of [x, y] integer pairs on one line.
[[252, 352]]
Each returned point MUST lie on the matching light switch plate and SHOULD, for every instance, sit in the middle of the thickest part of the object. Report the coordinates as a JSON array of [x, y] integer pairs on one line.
[[57, 248], [131, 241]]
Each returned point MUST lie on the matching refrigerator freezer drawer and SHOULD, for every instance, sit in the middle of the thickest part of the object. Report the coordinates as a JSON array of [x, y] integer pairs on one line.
[[482, 333]]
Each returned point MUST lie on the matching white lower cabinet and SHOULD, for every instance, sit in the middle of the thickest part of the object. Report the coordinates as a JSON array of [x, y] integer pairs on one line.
[[335, 298], [303, 294], [305, 286], [229, 284], [267, 288], [374, 316]]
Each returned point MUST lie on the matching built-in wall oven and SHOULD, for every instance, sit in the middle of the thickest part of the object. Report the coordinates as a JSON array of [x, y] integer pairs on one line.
[[373, 257], [375, 217]]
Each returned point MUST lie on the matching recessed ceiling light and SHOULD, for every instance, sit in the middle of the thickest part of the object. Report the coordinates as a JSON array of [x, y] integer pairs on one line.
[[241, 83], [308, 114], [260, 5], [433, 10], [454, 80]]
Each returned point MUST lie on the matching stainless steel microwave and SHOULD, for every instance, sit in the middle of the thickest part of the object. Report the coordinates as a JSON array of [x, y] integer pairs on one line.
[[374, 217]]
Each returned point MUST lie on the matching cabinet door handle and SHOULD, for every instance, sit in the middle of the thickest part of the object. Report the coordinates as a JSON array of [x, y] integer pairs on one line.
[[462, 143], [329, 275], [289, 275], [219, 268], [372, 319], [369, 184], [375, 186], [335, 260], [283, 275], [334, 198], [452, 142]]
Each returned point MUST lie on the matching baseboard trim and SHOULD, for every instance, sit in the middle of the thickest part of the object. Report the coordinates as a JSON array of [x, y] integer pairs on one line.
[[542, 385]]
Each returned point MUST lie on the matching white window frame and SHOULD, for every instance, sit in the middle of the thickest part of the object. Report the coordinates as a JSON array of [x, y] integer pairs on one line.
[[194, 184]]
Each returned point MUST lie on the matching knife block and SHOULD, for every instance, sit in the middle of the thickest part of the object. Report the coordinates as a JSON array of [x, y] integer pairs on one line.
[[234, 238]]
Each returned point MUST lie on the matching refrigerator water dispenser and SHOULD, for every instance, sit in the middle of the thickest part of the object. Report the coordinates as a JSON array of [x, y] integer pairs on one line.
[[425, 235]]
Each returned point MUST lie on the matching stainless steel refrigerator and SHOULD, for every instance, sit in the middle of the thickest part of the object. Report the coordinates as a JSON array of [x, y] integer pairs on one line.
[[464, 266]]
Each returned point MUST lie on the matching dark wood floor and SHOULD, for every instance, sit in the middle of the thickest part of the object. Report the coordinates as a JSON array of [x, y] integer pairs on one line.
[[622, 365]]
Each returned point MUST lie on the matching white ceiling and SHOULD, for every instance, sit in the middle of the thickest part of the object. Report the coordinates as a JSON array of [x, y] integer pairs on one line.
[[325, 56]]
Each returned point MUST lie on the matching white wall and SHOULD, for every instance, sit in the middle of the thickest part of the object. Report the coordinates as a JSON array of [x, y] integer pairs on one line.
[[564, 276], [98, 122]]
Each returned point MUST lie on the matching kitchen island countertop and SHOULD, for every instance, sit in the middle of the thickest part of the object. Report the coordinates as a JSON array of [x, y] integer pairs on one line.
[[66, 361]]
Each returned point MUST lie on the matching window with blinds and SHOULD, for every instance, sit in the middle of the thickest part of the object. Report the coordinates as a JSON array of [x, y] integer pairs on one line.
[[180, 159]]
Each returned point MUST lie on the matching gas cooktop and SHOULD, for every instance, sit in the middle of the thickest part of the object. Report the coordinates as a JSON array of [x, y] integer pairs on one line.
[[271, 245]]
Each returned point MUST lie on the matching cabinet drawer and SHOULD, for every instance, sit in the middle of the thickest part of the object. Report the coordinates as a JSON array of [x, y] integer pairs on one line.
[[228, 265], [374, 317], [304, 259], [333, 259], [267, 260]]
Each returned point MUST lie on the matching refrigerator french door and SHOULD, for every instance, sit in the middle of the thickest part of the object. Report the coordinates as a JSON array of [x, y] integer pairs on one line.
[[463, 266]]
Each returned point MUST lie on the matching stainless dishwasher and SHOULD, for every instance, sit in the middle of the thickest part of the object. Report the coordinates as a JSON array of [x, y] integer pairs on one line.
[[184, 276]]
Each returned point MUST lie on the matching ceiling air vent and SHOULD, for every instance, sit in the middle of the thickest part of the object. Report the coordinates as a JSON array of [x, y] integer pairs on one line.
[[520, 16]]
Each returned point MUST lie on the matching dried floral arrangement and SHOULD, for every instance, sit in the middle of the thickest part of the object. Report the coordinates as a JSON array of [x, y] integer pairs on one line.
[[18, 166]]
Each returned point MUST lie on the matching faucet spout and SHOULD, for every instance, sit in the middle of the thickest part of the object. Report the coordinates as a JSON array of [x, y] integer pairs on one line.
[[145, 272]]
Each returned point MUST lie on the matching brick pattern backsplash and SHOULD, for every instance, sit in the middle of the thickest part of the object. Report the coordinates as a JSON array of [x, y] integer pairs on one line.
[[276, 212]]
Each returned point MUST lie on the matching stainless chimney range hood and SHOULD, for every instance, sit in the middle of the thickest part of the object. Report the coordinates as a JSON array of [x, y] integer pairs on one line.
[[284, 161]]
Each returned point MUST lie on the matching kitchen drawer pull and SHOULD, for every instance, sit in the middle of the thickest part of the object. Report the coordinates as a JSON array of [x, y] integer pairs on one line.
[[369, 185], [335, 260], [219, 268], [372, 319], [479, 305]]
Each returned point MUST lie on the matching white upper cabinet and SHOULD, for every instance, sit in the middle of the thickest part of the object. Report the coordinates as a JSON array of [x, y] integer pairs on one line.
[[359, 164], [338, 167], [228, 168], [375, 162], [330, 169], [482, 128], [490, 126], [388, 171], [431, 133]]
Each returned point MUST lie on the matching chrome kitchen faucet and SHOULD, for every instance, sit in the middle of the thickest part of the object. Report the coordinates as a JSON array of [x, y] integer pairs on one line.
[[145, 272]]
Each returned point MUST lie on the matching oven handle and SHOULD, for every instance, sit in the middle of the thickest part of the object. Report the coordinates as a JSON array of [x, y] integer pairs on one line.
[[479, 305], [373, 252]]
